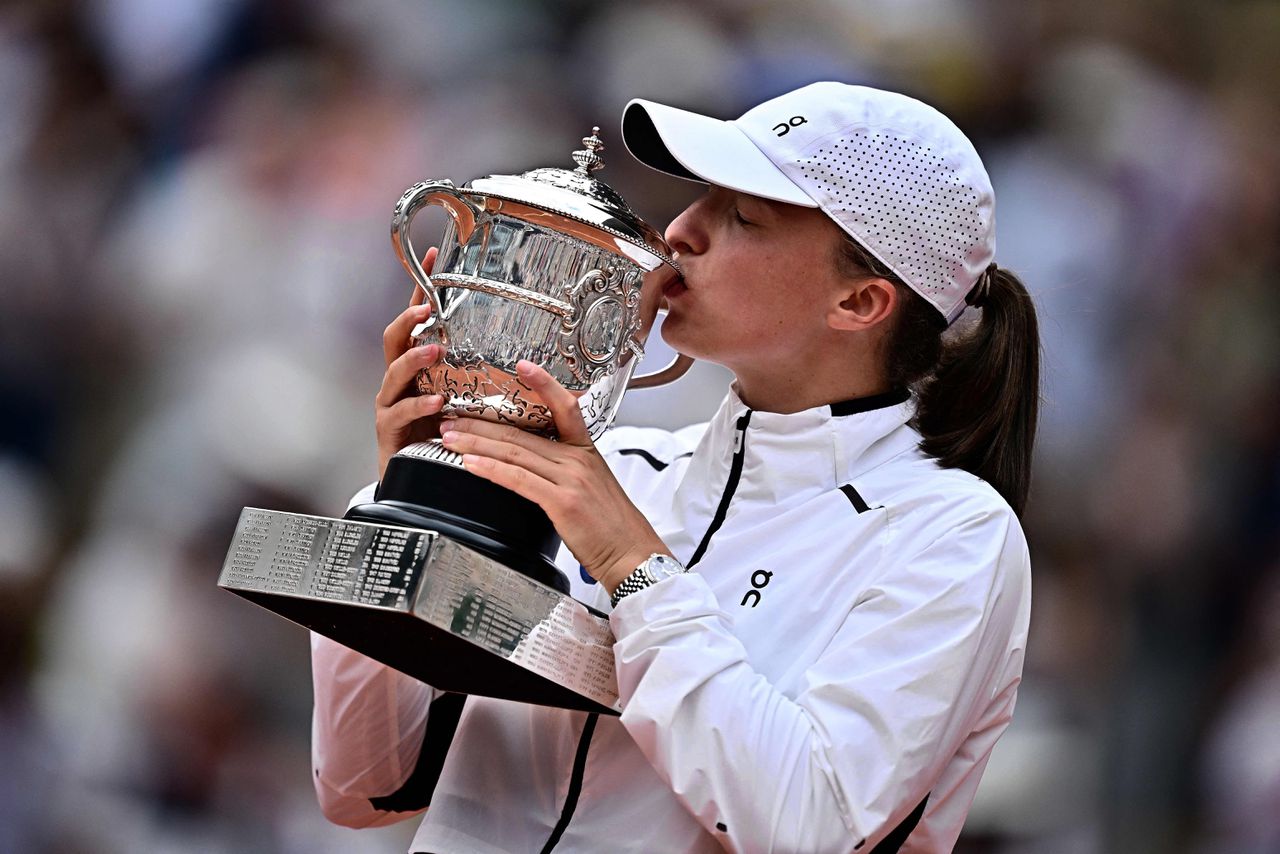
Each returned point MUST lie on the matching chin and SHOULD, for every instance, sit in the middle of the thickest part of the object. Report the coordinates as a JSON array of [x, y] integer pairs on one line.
[[680, 338], [671, 335]]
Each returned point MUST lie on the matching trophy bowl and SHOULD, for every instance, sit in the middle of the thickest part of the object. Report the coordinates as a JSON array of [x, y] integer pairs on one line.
[[547, 266], [551, 266]]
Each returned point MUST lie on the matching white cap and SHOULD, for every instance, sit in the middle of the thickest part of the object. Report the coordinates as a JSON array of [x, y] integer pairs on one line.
[[893, 172]]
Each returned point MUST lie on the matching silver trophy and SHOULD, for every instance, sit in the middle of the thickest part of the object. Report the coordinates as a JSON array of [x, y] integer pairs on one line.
[[446, 576]]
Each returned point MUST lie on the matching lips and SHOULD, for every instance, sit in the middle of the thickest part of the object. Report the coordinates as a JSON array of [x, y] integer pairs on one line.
[[674, 288]]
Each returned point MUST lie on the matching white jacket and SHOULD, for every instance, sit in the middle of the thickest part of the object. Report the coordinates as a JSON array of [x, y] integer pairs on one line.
[[845, 653]]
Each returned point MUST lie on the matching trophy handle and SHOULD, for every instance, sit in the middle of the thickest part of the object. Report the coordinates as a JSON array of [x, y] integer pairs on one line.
[[447, 196], [679, 367]]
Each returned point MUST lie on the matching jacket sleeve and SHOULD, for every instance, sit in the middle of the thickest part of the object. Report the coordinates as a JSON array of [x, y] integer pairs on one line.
[[367, 731], [913, 668]]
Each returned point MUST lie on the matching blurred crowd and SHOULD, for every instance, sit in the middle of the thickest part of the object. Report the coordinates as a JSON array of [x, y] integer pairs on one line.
[[195, 271]]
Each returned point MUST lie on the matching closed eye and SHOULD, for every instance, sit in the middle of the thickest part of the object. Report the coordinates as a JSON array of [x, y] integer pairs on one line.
[[742, 220]]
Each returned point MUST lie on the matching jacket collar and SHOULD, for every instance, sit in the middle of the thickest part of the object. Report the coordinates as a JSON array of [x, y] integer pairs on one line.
[[792, 456]]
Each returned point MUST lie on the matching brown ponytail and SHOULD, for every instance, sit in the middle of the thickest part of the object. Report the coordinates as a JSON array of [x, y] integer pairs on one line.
[[977, 387]]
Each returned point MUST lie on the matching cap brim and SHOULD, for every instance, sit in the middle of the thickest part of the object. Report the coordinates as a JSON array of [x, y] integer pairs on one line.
[[699, 148]]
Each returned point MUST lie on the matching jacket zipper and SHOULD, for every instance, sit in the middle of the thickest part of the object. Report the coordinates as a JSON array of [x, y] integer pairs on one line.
[[584, 743], [730, 486]]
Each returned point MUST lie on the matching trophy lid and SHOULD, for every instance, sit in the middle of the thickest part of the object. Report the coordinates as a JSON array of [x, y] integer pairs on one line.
[[579, 195]]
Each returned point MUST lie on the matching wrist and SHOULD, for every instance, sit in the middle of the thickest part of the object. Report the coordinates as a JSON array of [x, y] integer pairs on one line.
[[627, 563], [654, 569]]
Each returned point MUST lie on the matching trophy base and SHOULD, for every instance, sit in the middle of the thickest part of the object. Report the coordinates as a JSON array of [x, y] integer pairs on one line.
[[437, 495], [426, 605]]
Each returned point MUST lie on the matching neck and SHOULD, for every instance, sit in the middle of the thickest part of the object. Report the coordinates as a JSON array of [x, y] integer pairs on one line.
[[794, 389], [789, 402]]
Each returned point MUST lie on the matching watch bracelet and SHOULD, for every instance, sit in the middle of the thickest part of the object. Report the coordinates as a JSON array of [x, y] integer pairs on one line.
[[635, 582]]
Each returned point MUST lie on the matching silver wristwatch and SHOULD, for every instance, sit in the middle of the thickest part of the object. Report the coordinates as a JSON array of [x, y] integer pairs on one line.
[[655, 568]]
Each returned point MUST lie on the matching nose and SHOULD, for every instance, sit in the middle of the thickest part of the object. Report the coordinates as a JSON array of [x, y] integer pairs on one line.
[[687, 233]]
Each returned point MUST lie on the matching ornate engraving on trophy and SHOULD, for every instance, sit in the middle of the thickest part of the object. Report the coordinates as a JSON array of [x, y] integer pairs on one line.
[[596, 409], [473, 388], [515, 290], [604, 316]]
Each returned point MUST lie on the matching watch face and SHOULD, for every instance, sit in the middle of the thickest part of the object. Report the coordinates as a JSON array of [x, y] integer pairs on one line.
[[662, 566]]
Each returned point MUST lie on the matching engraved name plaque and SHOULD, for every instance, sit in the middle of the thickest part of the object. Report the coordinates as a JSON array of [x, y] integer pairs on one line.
[[425, 603]]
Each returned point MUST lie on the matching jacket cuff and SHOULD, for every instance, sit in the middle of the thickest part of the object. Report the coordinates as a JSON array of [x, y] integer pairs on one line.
[[685, 596]]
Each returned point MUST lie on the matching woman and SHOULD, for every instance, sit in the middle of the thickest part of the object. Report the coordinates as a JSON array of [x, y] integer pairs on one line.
[[821, 597]]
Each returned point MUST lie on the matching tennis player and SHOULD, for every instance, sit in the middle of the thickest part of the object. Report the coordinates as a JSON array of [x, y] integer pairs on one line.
[[821, 596]]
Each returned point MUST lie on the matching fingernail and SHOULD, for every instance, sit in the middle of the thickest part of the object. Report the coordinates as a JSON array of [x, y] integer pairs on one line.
[[428, 351], [524, 366], [447, 426]]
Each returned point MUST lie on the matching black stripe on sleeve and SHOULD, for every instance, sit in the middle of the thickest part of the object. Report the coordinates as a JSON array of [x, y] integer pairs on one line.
[[415, 794], [657, 464], [854, 498], [892, 843]]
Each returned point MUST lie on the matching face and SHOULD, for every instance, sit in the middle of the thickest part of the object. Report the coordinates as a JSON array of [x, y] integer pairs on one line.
[[759, 280]]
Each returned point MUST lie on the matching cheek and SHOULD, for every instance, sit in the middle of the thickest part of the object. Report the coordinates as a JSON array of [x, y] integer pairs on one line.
[[753, 322], [787, 318]]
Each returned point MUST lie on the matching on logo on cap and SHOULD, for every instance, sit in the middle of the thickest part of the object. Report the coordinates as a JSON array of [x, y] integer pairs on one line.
[[784, 128]]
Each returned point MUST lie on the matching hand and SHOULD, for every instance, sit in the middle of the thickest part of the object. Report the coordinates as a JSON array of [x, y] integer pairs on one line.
[[568, 479], [401, 415]]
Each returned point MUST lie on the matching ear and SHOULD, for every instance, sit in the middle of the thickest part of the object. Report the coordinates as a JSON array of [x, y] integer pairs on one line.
[[863, 303]]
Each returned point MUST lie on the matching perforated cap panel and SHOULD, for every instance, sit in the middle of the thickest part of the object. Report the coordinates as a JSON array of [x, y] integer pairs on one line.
[[893, 172], [903, 202]]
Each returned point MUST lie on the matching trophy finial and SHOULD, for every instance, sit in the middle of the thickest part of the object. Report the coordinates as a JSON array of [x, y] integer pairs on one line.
[[589, 159]]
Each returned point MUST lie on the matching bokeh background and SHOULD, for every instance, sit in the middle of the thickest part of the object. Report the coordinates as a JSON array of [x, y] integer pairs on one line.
[[195, 272]]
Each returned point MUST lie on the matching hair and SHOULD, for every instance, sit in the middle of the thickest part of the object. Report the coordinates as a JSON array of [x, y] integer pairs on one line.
[[977, 387]]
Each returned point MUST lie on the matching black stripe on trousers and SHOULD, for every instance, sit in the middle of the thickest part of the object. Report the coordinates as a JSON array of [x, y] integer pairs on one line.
[[575, 784]]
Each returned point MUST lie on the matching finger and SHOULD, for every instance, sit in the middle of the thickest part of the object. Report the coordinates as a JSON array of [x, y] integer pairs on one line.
[[401, 371], [428, 263], [400, 415], [562, 403], [496, 449], [556, 453], [395, 338], [520, 481], [502, 433]]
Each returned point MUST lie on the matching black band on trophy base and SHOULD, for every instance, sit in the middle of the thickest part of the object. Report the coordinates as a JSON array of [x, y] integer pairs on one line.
[[491, 519]]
